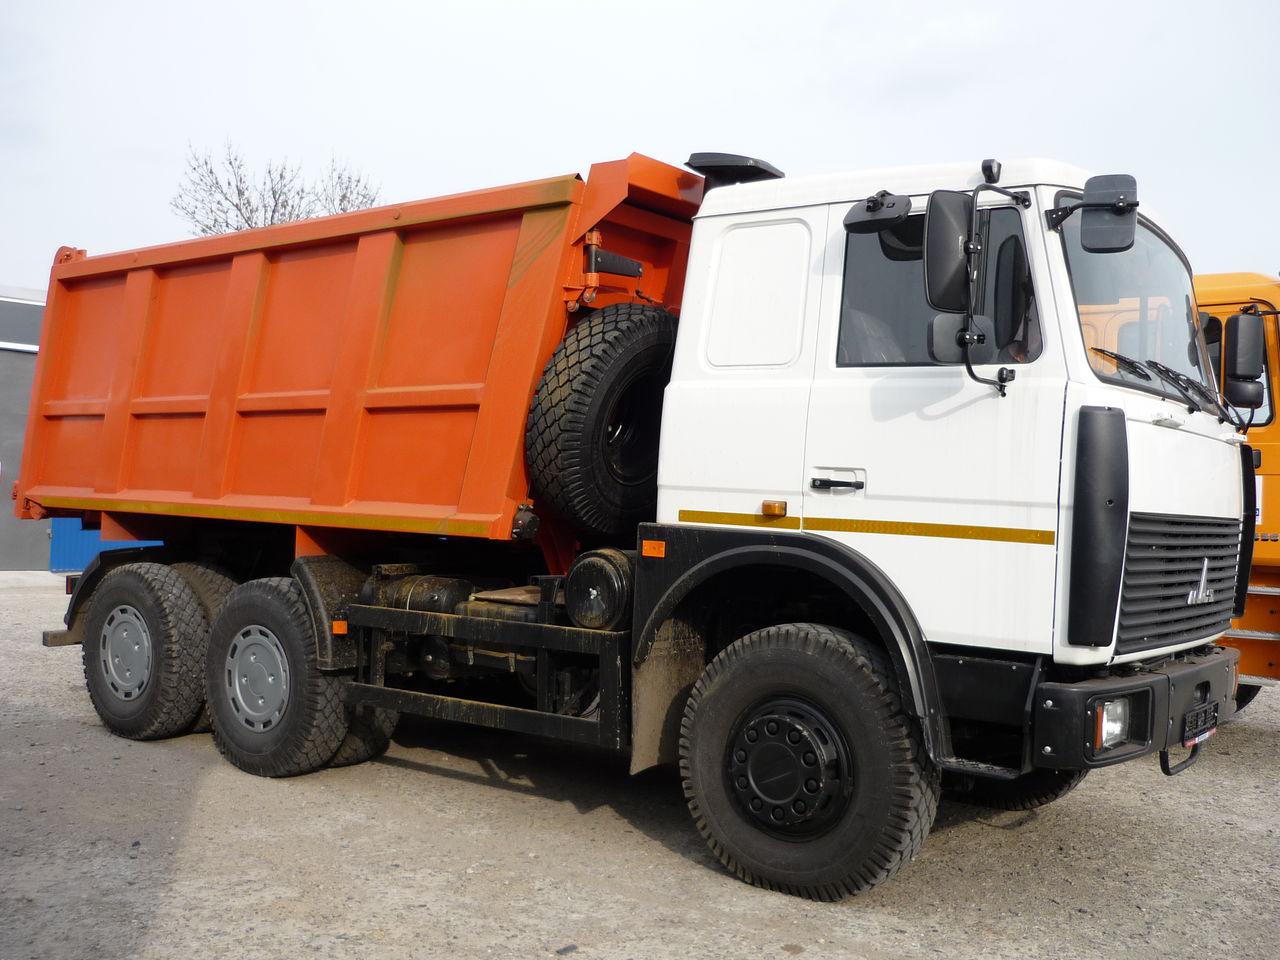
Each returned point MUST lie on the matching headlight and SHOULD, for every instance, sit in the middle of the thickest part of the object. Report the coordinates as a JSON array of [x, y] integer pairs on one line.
[[1111, 723]]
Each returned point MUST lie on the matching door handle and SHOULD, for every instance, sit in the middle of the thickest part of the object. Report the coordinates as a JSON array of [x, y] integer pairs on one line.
[[829, 483]]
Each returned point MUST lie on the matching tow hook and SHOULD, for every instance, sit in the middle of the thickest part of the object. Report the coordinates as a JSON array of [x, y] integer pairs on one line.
[[1175, 769]]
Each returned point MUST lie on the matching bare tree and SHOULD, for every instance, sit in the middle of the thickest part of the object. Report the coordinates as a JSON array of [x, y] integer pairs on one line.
[[221, 194]]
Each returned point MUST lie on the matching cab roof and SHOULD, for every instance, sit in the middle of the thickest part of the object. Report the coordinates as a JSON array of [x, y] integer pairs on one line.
[[791, 192]]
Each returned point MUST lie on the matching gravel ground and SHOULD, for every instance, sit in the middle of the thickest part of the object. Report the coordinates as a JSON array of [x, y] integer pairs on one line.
[[466, 843]]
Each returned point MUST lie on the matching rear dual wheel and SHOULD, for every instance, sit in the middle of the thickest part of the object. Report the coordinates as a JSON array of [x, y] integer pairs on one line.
[[144, 651], [212, 585], [274, 712]]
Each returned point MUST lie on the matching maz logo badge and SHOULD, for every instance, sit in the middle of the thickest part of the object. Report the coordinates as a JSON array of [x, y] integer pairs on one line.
[[1202, 593]]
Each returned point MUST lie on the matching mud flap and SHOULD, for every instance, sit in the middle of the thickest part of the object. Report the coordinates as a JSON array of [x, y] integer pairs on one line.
[[659, 688]]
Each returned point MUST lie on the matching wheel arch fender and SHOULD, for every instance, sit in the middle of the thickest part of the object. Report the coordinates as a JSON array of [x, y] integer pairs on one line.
[[704, 555], [328, 584], [88, 581]]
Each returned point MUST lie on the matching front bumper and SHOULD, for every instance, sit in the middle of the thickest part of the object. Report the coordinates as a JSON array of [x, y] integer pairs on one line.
[[1162, 698]]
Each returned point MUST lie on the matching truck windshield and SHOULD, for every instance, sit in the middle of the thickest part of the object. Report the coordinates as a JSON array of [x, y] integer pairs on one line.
[[1138, 312]]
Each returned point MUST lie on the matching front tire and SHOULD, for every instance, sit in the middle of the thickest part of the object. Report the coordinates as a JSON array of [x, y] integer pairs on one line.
[[802, 770], [1245, 694], [1027, 792], [274, 713], [143, 652]]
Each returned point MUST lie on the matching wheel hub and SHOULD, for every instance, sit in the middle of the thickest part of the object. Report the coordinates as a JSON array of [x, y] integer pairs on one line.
[[788, 768], [257, 673], [631, 430], [125, 652]]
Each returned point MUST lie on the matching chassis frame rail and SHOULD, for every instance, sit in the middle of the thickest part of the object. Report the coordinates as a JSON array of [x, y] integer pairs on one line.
[[380, 627]]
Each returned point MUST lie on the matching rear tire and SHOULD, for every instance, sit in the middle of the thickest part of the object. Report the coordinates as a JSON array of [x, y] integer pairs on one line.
[[368, 735], [274, 713], [211, 585], [591, 439], [803, 771], [143, 651], [1027, 792]]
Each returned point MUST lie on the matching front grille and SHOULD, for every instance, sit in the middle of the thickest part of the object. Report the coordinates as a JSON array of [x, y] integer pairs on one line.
[[1163, 564]]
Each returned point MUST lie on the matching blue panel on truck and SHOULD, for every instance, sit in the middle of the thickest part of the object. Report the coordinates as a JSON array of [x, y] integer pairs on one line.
[[72, 547]]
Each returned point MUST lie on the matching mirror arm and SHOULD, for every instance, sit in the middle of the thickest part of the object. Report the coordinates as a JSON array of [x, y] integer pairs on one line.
[[1058, 215], [966, 338], [1020, 197], [1253, 308]]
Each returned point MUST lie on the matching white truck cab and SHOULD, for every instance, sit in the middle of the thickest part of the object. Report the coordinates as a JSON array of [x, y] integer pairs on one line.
[[803, 375], [978, 402]]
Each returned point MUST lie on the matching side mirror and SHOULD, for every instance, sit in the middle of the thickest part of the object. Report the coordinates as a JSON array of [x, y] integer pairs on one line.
[[1110, 215], [1243, 344], [945, 348], [1244, 393], [947, 222]]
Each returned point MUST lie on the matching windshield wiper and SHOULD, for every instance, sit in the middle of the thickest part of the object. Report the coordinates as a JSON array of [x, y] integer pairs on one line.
[[1180, 381], [1120, 360], [1224, 415], [1210, 396]]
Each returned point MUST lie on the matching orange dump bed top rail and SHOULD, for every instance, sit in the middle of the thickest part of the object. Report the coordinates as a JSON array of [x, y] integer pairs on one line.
[[371, 370]]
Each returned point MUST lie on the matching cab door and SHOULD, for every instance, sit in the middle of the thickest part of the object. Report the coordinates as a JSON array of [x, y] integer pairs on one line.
[[734, 413], [951, 489]]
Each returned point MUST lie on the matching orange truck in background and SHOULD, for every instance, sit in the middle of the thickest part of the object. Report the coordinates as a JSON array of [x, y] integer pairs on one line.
[[1256, 634]]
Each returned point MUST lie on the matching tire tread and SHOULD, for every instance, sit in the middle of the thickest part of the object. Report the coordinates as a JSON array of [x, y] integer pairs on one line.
[[212, 585], [368, 735], [556, 451]]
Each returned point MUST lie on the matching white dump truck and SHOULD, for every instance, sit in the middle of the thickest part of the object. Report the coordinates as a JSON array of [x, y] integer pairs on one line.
[[834, 490]]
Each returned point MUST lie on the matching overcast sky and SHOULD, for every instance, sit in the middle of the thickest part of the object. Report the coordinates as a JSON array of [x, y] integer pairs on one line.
[[98, 101]]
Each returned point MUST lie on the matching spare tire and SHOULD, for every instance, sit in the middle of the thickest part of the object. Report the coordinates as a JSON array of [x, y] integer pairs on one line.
[[592, 435]]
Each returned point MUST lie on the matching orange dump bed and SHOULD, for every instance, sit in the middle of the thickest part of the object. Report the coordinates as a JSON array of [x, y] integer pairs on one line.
[[371, 370]]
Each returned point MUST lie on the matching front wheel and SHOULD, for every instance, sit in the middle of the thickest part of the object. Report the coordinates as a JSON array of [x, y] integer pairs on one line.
[[1027, 792], [1245, 694], [802, 769]]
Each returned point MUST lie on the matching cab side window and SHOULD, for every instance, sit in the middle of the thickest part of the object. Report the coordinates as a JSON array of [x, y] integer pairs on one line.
[[884, 317], [1211, 327]]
